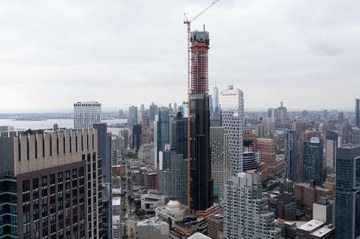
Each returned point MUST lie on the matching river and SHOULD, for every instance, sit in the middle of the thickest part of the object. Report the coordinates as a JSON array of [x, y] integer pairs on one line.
[[49, 123]]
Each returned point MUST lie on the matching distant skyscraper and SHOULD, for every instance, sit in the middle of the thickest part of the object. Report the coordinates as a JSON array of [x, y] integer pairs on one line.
[[121, 114], [153, 109], [267, 149], [331, 143], [173, 176], [136, 137], [292, 155], [132, 117], [347, 206], [355, 135], [357, 113], [184, 109], [232, 119], [161, 131], [281, 119], [86, 114], [142, 109], [178, 134], [313, 161], [201, 183], [211, 106], [216, 100], [246, 213]]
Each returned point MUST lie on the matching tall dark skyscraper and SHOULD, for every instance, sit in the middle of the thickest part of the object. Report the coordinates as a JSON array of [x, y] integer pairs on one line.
[[357, 112], [347, 207], [178, 134], [161, 131], [201, 183], [292, 155], [313, 160]]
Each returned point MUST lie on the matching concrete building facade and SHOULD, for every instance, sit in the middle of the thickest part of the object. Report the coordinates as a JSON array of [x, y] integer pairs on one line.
[[52, 182], [232, 119], [245, 211]]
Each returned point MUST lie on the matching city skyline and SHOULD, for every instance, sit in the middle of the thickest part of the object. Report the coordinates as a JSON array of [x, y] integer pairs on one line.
[[104, 52]]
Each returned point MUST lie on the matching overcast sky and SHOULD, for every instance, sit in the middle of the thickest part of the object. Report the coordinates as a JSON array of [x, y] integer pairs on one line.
[[305, 53]]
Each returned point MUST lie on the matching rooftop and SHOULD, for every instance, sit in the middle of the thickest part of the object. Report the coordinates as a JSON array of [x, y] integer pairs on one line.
[[323, 230], [198, 235], [151, 221], [311, 225]]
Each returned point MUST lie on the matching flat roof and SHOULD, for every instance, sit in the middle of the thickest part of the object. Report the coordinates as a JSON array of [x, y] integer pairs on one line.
[[311, 225], [198, 235], [116, 201], [323, 230]]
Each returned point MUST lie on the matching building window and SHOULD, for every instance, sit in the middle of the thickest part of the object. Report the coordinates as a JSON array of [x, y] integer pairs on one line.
[[52, 179], [26, 185], [74, 173], [67, 175], [35, 183], [43, 146], [36, 147], [57, 145], [60, 177], [82, 142], [50, 145], [44, 181], [27, 148], [19, 148]]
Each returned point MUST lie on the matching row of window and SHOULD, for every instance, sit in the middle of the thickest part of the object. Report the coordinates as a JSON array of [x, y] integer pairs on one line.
[[67, 175]]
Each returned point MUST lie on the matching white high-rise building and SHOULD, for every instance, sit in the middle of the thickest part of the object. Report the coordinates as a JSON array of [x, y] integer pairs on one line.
[[232, 119], [246, 213], [86, 114]]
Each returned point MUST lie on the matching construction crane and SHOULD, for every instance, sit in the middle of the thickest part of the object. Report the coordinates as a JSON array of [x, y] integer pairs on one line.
[[188, 23]]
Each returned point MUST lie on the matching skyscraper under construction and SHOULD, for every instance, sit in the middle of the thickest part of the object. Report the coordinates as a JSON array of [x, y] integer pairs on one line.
[[201, 183]]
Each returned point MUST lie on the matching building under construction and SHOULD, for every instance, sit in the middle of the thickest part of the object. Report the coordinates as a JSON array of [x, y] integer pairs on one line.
[[201, 183]]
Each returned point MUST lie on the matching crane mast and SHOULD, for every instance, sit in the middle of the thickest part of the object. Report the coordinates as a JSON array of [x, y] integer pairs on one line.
[[188, 25]]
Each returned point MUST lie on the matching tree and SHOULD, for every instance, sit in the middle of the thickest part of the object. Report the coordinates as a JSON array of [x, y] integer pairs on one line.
[[140, 213], [132, 233], [125, 236]]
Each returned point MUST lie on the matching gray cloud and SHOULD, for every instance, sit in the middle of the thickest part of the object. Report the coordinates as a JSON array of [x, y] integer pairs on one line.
[[131, 52]]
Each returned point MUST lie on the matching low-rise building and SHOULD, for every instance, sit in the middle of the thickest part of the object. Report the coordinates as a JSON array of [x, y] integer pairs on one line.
[[307, 194], [189, 226], [283, 206], [324, 210], [150, 201], [152, 229], [316, 229], [199, 235], [215, 226], [173, 211]]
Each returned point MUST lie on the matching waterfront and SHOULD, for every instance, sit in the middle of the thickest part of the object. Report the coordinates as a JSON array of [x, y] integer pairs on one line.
[[49, 123]]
